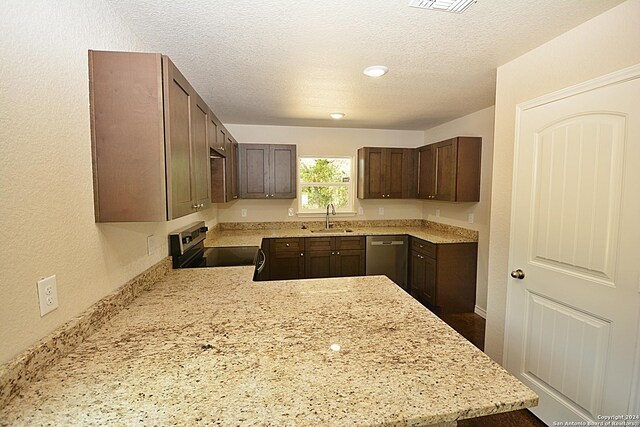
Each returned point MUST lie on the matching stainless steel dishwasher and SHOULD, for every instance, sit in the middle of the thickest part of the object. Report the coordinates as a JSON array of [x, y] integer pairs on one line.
[[387, 255]]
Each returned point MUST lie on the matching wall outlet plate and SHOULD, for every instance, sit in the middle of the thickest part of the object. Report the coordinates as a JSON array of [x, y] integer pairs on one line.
[[360, 211], [437, 212], [290, 212], [47, 294], [380, 211], [471, 218], [243, 213]]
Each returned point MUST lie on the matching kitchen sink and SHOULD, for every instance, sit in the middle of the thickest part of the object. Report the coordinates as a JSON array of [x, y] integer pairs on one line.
[[333, 230]]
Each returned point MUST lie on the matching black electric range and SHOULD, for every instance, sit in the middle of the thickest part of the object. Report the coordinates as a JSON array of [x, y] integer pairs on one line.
[[188, 251]]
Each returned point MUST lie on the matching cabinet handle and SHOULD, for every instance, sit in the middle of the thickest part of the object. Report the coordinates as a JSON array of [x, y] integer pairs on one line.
[[388, 195], [301, 253], [273, 195], [194, 206], [286, 244], [333, 253], [338, 253], [421, 246], [266, 195]]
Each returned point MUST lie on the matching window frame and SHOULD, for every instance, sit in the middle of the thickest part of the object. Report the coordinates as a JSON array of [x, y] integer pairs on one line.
[[349, 209]]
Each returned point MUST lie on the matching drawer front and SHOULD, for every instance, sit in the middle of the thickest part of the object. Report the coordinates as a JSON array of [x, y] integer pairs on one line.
[[287, 245], [316, 244], [423, 247], [350, 243]]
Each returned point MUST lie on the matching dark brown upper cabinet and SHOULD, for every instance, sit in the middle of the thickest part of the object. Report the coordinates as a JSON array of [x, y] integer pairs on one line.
[[150, 139], [224, 163], [450, 170], [267, 171], [386, 173]]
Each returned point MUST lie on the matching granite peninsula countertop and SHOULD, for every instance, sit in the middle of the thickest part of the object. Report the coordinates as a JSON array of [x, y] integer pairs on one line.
[[211, 347], [254, 237]]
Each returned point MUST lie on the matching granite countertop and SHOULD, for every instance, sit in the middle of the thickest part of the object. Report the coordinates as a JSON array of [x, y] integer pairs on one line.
[[209, 346], [254, 237]]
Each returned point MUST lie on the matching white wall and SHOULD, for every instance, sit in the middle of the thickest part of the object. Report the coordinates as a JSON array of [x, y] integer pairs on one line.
[[481, 124], [604, 44], [46, 198], [321, 141]]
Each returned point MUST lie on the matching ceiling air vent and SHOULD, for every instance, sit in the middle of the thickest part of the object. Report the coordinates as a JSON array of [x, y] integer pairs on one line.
[[454, 6]]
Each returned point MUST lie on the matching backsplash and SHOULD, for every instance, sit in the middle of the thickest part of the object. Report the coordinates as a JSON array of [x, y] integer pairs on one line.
[[282, 225]]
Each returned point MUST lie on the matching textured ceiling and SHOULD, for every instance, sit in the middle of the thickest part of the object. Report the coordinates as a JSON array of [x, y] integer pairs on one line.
[[286, 62]]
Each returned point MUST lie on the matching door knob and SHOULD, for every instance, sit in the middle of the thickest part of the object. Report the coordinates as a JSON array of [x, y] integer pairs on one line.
[[517, 274]]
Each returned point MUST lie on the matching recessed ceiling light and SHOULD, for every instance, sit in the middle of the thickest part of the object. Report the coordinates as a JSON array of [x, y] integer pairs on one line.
[[337, 116], [376, 71], [455, 6]]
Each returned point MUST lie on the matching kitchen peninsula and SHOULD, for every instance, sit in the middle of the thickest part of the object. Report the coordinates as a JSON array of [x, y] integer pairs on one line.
[[210, 346]]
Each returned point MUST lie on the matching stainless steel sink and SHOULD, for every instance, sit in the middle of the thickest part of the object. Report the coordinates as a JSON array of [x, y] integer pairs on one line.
[[333, 230]]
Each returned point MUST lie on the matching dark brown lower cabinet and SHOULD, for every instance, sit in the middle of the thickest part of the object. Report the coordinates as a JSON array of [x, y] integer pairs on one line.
[[285, 259], [334, 256], [443, 276]]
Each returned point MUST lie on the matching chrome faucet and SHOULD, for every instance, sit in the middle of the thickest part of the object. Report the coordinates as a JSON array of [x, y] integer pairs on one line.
[[328, 224]]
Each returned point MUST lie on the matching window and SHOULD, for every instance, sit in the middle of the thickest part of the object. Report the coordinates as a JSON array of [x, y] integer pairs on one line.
[[325, 180]]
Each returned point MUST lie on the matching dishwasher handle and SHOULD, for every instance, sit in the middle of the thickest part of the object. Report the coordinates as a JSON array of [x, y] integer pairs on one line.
[[387, 243]]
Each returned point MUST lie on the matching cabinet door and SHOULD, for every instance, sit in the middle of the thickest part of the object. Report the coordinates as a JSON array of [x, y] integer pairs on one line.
[[232, 170], [417, 276], [200, 153], [127, 136], [349, 263], [426, 172], [446, 153], [430, 277], [394, 176], [254, 171], [282, 174], [371, 169], [468, 169], [284, 265], [319, 264], [177, 106]]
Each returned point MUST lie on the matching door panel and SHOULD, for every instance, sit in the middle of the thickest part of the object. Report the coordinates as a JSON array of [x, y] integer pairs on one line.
[[201, 160], [179, 160], [394, 178], [577, 199], [572, 321], [426, 173], [446, 155], [283, 171], [550, 357], [254, 171]]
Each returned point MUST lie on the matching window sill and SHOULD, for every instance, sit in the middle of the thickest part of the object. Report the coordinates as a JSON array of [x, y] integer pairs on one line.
[[323, 214]]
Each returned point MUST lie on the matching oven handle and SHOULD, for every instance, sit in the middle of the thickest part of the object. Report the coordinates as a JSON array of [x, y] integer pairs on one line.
[[261, 263]]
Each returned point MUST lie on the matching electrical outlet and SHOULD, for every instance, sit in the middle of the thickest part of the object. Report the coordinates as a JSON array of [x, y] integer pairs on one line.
[[470, 218], [153, 244], [47, 295], [360, 211], [290, 211], [437, 212], [380, 211], [243, 212]]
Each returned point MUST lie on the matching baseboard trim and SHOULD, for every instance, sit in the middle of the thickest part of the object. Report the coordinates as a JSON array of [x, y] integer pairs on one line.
[[34, 361], [480, 312]]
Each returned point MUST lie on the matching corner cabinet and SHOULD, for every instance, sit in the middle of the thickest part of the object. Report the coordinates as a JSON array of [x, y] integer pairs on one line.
[[450, 170], [267, 171], [443, 276], [386, 173], [150, 139]]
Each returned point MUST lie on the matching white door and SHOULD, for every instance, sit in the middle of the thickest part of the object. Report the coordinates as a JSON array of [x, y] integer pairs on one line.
[[572, 321]]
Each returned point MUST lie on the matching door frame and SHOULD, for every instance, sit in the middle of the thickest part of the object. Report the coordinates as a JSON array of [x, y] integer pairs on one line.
[[617, 77]]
